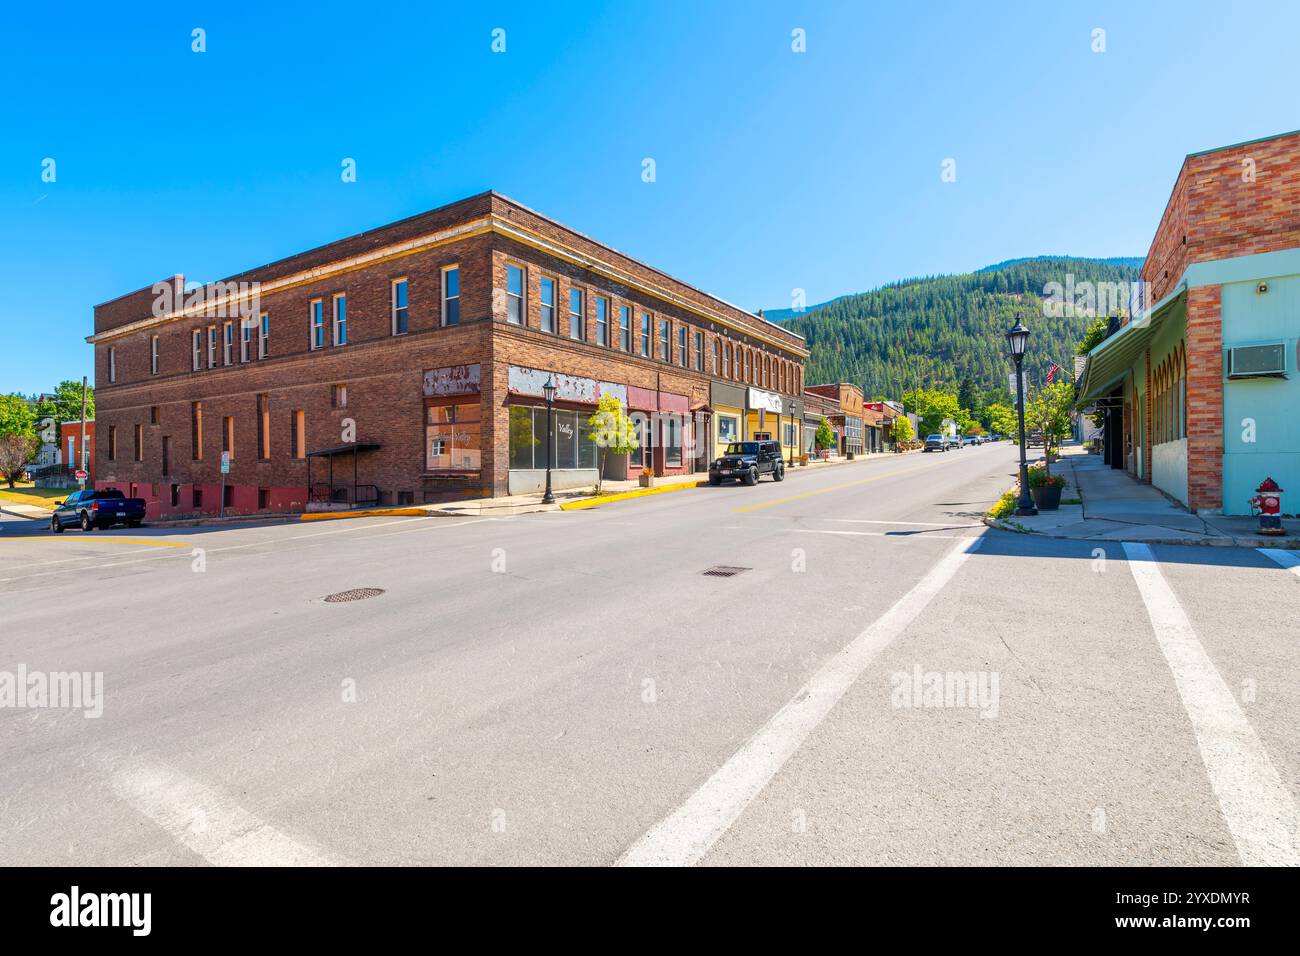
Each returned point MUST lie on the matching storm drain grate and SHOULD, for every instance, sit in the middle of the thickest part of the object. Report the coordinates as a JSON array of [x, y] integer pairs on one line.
[[723, 571], [356, 594]]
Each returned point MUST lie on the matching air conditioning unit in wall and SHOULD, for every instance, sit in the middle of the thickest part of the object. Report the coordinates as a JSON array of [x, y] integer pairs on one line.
[[1257, 361]]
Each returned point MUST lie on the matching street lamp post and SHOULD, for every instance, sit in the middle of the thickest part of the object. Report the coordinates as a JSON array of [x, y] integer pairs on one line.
[[1017, 338], [549, 391]]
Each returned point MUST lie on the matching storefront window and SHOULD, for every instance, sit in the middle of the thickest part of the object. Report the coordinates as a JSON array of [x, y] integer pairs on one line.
[[573, 448], [452, 437], [673, 442], [728, 429]]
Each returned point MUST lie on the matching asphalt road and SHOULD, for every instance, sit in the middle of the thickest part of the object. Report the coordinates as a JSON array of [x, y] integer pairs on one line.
[[887, 681]]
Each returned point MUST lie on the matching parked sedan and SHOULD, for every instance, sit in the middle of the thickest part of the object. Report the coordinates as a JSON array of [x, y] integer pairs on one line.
[[97, 509]]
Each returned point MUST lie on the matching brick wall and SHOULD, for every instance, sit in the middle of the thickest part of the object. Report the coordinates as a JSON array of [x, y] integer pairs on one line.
[[1204, 400]]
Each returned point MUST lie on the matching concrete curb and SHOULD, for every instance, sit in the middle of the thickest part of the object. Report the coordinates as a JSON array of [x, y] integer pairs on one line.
[[19, 514], [1248, 541]]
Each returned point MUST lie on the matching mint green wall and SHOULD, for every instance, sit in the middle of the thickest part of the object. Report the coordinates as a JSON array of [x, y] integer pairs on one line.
[[1273, 404]]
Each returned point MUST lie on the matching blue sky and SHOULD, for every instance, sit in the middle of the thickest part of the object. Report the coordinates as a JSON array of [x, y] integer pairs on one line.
[[775, 170]]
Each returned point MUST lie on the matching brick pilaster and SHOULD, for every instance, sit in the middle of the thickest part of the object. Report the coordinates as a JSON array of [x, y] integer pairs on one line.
[[1204, 399]]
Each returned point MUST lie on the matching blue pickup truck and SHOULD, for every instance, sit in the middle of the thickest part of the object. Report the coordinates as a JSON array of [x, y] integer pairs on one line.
[[97, 509]]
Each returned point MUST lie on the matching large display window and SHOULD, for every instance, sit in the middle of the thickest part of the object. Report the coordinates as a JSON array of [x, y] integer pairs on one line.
[[452, 437], [573, 447]]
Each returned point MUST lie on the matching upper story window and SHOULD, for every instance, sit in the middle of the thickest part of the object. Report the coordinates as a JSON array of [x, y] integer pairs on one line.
[[340, 319], [212, 346], [699, 351], [665, 343], [726, 360], [400, 308], [681, 346], [625, 327], [451, 295], [112, 364], [717, 357], [514, 295], [245, 340], [196, 340], [317, 324], [577, 312], [153, 354], [228, 342], [547, 304], [602, 320], [264, 336], [645, 334]]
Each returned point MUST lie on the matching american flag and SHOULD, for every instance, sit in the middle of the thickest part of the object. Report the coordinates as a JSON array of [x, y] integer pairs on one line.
[[1052, 371]]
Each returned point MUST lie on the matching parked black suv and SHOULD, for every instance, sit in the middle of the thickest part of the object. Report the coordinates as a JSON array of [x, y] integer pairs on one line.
[[747, 461]]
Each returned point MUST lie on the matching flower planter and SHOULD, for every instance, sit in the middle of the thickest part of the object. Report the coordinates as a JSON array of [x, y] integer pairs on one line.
[[1047, 498], [646, 481]]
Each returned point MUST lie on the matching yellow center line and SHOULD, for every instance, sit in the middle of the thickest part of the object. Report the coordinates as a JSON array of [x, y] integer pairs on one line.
[[823, 491], [140, 541]]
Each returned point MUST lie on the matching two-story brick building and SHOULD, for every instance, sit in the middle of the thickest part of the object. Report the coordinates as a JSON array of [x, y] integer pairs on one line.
[[1200, 388], [406, 364]]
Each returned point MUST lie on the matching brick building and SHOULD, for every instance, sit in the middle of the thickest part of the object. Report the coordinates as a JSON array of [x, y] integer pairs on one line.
[[1199, 392], [406, 364], [847, 420]]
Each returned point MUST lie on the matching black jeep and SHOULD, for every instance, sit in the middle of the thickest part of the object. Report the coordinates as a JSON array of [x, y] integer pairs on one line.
[[746, 461]]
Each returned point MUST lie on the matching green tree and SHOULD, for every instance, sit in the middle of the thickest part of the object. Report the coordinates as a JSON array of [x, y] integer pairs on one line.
[[66, 404], [825, 437], [1049, 413], [966, 395], [1002, 419], [17, 417], [612, 432], [1093, 337], [902, 429]]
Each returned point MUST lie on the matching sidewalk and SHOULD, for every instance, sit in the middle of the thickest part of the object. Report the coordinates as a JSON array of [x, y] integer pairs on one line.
[[1116, 507]]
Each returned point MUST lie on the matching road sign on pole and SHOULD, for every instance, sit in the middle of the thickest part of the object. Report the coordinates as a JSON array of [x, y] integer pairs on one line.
[[225, 462], [1011, 382], [81, 475]]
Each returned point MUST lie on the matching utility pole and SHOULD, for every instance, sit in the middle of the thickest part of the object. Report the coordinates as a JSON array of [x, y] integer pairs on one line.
[[83, 429]]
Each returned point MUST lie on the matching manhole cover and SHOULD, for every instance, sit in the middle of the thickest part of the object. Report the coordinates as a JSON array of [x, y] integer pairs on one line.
[[723, 571], [356, 594]]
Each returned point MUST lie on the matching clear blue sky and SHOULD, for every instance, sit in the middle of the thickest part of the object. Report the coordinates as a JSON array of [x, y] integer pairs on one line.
[[775, 169]]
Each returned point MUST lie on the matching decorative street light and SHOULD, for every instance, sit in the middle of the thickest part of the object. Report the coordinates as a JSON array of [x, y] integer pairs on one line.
[[1017, 339], [549, 391]]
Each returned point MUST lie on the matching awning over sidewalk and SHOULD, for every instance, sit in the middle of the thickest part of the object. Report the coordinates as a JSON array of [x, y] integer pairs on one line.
[[1110, 359]]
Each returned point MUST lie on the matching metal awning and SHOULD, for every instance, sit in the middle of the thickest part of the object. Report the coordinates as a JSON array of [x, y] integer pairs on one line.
[[1110, 360], [355, 446]]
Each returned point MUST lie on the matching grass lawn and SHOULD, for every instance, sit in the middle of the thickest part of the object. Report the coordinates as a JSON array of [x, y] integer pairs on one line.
[[29, 495]]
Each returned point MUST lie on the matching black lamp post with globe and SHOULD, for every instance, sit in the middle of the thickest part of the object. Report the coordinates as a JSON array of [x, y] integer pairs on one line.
[[1017, 339]]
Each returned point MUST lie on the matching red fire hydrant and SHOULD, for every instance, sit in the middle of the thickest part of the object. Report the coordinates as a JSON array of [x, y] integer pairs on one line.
[[1267, 503]]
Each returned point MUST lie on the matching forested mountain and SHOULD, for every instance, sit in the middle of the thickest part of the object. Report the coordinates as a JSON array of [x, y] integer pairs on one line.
[[944, 329]]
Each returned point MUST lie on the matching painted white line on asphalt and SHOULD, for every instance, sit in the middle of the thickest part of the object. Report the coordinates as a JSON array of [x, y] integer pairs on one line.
[[924, 535], [1256, 805], [1286, 559], [682, 838], [915, 524], [203, 820]]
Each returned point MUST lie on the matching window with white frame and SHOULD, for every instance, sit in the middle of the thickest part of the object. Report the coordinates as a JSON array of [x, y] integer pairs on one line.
[[317, 324], [245, 340], [400, 311], [665, 341], [646, 335], [196, 340], [153, 354], [227, 342], [602, 320], [264, 336], [515, 295], [625, 328], [340, 319], [547, 312], [699, 351], [451, 295], [112, 364], [577, 314], [681, 346], [212, 346]]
